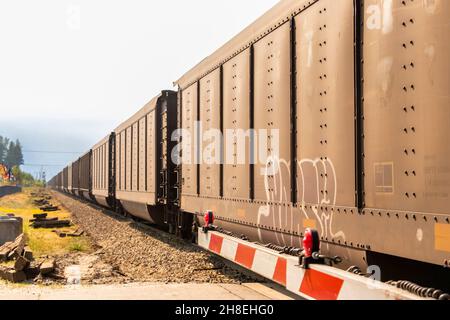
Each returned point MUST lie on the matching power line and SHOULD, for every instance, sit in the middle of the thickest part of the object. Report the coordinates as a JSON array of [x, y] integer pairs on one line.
[[44, 165], [51, 152]]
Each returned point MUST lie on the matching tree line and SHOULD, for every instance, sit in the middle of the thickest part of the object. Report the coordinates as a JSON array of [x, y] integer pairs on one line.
[[11, 152]]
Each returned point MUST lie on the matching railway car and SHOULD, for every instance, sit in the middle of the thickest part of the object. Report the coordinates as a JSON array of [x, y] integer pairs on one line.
[[65, 179], [324, 115], [76, 177], [59, 182], [69, 179], [84, 171], [103, 183], [144, 172], [357, 94]]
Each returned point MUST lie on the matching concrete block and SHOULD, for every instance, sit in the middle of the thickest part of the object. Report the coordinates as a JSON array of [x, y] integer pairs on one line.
[[10, 229]]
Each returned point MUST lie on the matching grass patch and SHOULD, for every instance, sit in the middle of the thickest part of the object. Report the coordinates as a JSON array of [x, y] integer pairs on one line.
[[43, 242], [79, 245]]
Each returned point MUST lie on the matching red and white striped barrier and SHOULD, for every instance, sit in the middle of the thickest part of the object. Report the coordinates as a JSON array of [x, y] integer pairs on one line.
[[319, 282]]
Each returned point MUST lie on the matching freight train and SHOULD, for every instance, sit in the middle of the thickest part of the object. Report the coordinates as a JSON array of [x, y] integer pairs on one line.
[[344, 109]]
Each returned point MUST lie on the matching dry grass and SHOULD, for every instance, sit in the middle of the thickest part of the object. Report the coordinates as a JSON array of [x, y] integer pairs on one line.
[[43, 242]]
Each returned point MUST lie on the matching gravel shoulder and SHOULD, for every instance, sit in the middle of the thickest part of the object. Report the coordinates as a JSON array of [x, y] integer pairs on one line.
[[127, 251]]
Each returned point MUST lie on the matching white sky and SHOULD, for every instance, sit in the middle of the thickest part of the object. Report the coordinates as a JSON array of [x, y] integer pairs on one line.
[[71, 71]]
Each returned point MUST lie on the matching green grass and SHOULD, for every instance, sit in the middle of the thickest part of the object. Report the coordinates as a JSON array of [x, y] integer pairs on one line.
[[43, 242], [79, 245]]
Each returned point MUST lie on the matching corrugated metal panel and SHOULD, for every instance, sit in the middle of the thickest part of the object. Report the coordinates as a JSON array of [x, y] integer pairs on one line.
[[211, 135], [406, 108], [128, 159], [272, 116], [151, 154], [85, 161], [100, 168], [142, 154], [69, 178], [236, 116], [122, 161], [137, 156], [189, 118], [325, 109], [66, 178], [76, 175]]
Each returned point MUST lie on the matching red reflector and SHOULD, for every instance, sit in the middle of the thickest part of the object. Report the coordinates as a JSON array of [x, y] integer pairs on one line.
[[209, 218], [311, 242]]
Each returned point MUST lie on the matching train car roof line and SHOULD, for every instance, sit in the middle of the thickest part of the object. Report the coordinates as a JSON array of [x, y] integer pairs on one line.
[[275, 17]]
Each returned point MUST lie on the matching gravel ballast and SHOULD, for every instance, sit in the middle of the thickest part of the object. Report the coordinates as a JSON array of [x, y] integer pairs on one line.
[[144, 254]]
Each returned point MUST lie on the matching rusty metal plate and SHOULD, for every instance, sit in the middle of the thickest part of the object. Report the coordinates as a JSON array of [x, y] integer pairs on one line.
[[189, 118], [406, 90], [210, 135], [236, 119], [272, 114]]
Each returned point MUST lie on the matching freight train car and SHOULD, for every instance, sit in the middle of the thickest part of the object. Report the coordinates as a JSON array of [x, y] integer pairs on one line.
[[322, 115], [144, 174], [355, 93], [69, 178], [76, 177], [85, 182], [102, 172]]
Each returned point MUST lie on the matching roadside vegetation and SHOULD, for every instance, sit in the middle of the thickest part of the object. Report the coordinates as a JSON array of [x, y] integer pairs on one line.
[[11, 158], [43, 242]]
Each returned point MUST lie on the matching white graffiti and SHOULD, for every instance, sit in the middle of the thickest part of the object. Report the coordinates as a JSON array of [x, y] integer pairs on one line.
[[317, 187]]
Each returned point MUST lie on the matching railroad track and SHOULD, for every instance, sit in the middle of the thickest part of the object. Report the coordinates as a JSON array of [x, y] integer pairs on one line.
[[146, 253]]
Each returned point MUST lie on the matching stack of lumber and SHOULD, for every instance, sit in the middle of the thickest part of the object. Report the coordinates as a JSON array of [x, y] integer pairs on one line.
[[24, 267], [41, 220]]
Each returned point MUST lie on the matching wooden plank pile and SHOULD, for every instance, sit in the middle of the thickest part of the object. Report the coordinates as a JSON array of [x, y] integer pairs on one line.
[[41, 221], [49, 208], [43, 202], [25, 268], [75, 234]]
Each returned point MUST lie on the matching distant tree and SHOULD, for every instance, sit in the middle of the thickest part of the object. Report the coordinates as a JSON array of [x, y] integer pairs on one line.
[[9, 158], [18, 154], [4, 142], [25, 179], [14, 156]]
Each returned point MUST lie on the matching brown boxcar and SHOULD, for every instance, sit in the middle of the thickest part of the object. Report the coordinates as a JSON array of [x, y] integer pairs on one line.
[[85, 186], [76, 177], [69, 178], [102, 188], [138, 143], [343, 110], [358, 94]]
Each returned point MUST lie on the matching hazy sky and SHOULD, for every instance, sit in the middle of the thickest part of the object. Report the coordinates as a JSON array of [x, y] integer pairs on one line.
[[71, 71]]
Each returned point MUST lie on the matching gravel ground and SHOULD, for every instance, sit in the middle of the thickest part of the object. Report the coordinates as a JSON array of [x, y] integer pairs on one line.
[[129, 251]]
